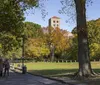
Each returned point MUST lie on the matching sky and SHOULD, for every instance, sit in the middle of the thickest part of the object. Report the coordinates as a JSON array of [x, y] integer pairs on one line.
[[53, 6]]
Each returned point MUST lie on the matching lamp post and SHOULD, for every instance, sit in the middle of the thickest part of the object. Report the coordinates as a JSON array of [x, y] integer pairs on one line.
[[24, 68], [23, 51]]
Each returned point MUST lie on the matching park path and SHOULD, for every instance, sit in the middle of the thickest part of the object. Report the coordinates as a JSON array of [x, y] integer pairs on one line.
[[27, 79]]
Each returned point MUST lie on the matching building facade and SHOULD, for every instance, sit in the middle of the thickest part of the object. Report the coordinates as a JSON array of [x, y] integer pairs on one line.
[[54, 22]]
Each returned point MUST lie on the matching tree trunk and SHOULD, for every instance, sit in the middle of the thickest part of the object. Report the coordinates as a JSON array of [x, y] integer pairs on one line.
[[83, 47], [52, 52]]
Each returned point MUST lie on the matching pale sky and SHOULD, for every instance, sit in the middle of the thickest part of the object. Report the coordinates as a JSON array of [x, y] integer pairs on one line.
[[53, 6]]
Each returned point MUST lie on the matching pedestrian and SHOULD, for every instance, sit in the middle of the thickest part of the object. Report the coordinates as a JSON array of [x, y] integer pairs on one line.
[[6, 67], [1, 67]]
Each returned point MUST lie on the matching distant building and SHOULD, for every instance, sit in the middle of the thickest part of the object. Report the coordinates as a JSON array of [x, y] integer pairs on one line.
[[68, 34], [54, 22]]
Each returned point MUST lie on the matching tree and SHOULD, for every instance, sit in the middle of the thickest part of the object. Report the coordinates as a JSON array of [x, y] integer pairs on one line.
[[57, 41], [8, 44], [61, 41], [34, 45], [72, 51], [94, 38], [94, 31], [12, 14], [32, 30], [11, 20], [36, 48], [48, 35], [83, 46]]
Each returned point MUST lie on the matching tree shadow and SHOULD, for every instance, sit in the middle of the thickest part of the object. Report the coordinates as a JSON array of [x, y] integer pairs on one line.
[[67, 73], [54, 72], [6, 76], [97, 70], [94, 80]]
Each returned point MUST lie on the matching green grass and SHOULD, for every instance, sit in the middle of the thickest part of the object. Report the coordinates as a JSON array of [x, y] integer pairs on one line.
[[61, 70], [56, 69], [51, 69]]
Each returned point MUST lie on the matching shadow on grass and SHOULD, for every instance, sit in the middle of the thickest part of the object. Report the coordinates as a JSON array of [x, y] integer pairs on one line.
[[94, 80], [96, 70], [67, 73], [53, 72], [58, 72]]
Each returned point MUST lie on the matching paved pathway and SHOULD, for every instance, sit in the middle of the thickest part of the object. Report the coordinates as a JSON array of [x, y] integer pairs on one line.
[[26, 79]]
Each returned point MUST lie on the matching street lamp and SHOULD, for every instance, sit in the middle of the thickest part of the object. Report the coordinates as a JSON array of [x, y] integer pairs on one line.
[[23, 51], [24, 68]]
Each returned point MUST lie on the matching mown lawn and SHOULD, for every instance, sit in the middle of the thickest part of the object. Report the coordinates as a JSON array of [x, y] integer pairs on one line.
[[62, 70], [52, 69], [56, 69]]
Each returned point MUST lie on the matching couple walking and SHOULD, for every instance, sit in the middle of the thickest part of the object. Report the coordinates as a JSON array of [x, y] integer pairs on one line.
[[4, 67]]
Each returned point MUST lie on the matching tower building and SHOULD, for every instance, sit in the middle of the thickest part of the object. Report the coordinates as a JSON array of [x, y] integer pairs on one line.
[[54, 22]]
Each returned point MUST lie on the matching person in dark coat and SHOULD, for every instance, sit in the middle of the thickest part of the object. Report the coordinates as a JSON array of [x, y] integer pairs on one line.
[[6, 67], [1, 67]]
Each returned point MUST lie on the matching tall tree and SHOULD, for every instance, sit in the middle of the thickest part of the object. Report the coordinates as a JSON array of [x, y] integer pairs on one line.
[[60, 40], [57, 41], [32, 30], [48, 33], [94, 38], [12, 17], [36, 48], [83, 47], [12, 14], [8, 44]]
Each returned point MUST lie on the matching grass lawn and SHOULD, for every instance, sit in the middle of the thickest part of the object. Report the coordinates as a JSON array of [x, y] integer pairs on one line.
[[56, 69], [60, 70], [52, 69]]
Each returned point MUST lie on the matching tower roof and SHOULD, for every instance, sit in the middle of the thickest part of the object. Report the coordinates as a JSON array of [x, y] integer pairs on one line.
[[55, 17]]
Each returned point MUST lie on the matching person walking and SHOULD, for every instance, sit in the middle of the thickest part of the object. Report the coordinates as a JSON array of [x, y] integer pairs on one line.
[[1, 67], [6, 67]]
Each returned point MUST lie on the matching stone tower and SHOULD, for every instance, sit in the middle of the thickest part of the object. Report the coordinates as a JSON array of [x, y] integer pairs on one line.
[[54, 22]]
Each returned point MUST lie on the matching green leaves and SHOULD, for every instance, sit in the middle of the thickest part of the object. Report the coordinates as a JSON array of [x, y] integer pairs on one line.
[[32, 29], [8, 43], [11, 23], [12, 14], [36, 48], [93, 37], [58, 39], [94, 31]]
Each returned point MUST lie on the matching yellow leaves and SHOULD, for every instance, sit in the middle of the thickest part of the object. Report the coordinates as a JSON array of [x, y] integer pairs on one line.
[[41, 46], [36, 47], [58, 38], [94, 48]]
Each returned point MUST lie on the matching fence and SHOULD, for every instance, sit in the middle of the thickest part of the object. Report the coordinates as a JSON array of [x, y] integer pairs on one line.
[[47, 60]]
